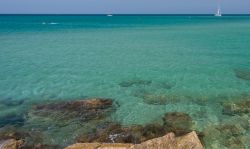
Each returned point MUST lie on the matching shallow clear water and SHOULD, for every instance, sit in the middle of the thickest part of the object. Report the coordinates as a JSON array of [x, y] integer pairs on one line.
[[71, 57]]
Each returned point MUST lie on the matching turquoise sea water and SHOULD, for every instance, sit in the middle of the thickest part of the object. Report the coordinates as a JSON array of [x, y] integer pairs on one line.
[[191, 59]]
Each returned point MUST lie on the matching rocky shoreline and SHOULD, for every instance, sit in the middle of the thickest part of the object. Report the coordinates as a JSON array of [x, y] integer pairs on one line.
[[168, 141], [177, 129]]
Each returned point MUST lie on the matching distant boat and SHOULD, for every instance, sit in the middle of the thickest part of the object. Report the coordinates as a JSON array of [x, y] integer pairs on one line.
[[109, 15], [218, 13]]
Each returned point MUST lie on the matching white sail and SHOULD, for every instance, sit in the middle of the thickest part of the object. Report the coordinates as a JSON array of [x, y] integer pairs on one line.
[[218, 13]]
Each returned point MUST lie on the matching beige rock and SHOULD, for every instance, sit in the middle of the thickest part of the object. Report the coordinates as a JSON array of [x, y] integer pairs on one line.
[[10, 144], [99, 146], [169, 141], [166, 142], [114, 146], [189, 141], [84, 146]]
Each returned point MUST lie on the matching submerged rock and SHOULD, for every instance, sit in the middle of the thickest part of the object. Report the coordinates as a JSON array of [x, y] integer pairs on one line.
[[151, 131], [164, 85], [155, 98], [115, 133], [228, 134], [83, 110], [169, 141], [178, 122], [159, 99], [242, 74], [223, 136], [108, 133], [236, 107], [67, 117], [130, 83], [102, 133]]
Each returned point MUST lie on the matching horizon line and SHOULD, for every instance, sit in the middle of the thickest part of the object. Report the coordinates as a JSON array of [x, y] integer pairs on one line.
[[119, 14]]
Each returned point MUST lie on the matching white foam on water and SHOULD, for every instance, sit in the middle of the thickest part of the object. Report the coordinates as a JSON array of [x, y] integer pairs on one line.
[[53, 23], [50, 23]]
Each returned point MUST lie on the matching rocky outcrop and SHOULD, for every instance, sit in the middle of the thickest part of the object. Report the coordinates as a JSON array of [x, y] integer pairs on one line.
[[169, 141], [83, 110]]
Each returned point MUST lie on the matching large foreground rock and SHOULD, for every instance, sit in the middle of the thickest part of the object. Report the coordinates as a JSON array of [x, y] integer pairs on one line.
[[169, 141]]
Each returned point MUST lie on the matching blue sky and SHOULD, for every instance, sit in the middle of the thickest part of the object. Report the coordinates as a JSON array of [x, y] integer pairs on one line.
[[123, 6]]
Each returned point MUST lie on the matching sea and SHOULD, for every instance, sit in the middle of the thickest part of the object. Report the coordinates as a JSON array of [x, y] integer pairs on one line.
[[148, 64]]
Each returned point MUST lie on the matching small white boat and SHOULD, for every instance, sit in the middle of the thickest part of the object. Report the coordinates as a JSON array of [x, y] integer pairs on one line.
[[109, 15], [218, 13]]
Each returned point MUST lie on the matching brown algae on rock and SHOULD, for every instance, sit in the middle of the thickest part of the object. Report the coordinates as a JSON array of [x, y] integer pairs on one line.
[[178, 122], [115, 133], [83, 110]]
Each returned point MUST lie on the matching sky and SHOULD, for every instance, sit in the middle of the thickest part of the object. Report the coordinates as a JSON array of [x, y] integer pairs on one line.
[[123, 6]]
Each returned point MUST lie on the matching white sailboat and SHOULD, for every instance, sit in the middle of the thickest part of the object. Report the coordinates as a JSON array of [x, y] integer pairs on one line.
[[218, 13], [109, 15]]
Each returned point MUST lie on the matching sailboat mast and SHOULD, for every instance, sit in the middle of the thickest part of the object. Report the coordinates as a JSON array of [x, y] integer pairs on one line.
[[218, 13]]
